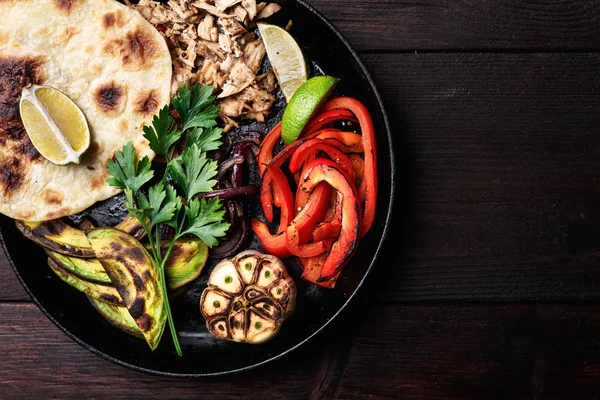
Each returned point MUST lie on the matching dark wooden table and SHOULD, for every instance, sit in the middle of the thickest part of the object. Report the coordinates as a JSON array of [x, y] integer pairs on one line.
[[490, 288]]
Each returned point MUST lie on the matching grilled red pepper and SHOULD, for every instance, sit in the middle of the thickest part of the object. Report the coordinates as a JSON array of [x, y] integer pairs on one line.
[[300, 230], [277, 244], [335, 202], [314, 145], [265, 152], [327, 118], [330, 227], [295, 240], [297, 225], [370, 154], [264, 158], [358, 165], [343, 248], [311, 271], [267, 193], [317, 208], [352, 141], [273, 244]]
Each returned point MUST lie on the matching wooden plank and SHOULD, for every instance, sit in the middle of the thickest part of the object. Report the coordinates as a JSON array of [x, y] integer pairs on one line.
[[498, 176], [450, 352], [495, 252], [435, 352], [494, 127], [39, 361], [10, 288], [395, 25]]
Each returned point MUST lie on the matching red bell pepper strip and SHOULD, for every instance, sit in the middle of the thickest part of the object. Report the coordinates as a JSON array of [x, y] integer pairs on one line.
[[293, 226], [277, 244], [344, 247], [285, 196], [352, 141], [300, 230], [305, 250], [326, 118], [318, 207], [330, 228], [311, 271], [358, 165], [268, 196], [370, 154], [304, 197], [332, 224], [265, 151], [273, 244], [314, 145], [264, 157]]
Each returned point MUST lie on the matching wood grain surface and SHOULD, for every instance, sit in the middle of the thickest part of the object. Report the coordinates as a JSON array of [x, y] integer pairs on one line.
[[498, 196], [489, 287], [407, 352], [466, 25]]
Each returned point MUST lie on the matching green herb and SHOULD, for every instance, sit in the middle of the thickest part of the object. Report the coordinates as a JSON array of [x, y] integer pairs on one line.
[[163, 133], [195, 107], [190, 173]]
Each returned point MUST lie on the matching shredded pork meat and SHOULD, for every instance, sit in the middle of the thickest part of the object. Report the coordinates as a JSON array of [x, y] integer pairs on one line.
[[211, 42]]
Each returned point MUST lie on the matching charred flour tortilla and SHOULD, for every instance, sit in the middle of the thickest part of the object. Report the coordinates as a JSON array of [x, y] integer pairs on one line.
[[109, 60]]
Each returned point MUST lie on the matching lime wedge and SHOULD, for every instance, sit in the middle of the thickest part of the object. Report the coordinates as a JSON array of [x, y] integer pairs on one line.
[[303, 105], [286, 58], [56, 126]]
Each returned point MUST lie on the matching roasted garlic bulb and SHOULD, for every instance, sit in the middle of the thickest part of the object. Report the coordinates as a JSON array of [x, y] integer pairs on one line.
[[248, 297]]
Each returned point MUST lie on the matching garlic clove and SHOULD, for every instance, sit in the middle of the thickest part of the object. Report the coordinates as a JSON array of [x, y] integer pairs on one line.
[[226, 278]]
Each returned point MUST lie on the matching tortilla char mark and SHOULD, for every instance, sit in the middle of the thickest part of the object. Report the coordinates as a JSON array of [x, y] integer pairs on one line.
[[66, 6], [113, 19], [147, 103], [110, 98], [52, 197], [16, 150], [11, 176], [15, 74], [136, 50]]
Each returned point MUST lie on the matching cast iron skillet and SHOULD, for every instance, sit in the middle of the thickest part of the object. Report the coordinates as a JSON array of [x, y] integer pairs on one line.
[[316, 307]]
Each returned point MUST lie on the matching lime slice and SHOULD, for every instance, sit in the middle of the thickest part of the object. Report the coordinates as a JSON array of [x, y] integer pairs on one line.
[[286, 58], [302, 106], [56, 126]]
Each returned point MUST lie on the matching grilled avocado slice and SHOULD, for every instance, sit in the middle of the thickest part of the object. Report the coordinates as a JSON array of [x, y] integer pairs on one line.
[[89, 269], [130, 269], [117, 316], [132, 226], [57, 236], [105, 293], [186, 261]]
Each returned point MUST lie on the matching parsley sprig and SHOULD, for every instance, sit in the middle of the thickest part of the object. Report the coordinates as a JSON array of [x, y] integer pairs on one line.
[[172, 201]]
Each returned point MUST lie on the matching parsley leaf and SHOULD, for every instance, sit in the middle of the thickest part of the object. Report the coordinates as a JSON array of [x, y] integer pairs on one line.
[[195, 107], [206, 139], [161, 206], [163, 133], [128, 174], [193, 172], [205, 220]]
